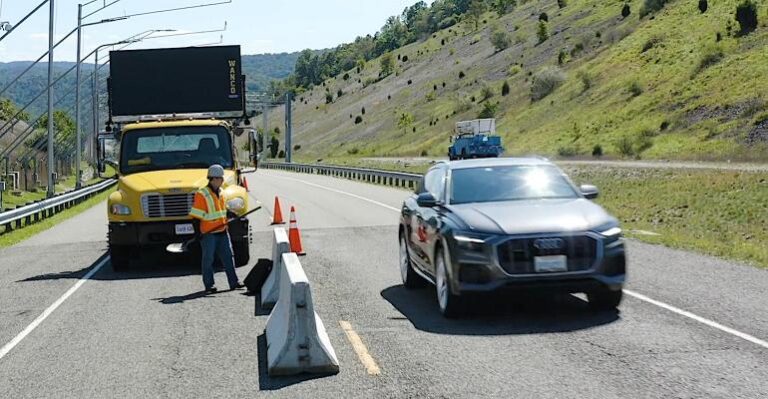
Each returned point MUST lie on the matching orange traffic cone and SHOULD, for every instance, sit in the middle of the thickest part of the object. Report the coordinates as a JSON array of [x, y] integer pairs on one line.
[[294, 237], [277, 218]]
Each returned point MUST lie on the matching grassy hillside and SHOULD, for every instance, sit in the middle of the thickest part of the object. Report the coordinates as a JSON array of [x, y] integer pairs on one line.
[[658, 87]]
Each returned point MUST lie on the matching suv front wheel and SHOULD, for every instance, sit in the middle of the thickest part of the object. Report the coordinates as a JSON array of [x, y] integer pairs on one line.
[[451, 306]]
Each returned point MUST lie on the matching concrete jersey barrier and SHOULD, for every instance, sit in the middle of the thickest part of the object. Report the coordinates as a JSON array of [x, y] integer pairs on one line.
[[271, 288], [297, 341]]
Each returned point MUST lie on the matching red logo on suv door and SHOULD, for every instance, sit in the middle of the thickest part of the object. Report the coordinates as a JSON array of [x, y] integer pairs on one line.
[[422, 233]]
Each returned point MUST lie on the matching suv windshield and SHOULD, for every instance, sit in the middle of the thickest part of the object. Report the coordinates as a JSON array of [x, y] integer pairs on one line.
[[509, 183], [175, 148]]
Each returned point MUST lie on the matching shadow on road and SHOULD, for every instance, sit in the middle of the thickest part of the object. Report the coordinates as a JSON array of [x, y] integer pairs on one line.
[[154, 265], [498, 314], [267, 383], [172, 300]]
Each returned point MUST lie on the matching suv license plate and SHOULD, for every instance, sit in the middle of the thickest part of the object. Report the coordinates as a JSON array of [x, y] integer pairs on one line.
[[184, 229], [548, 264]]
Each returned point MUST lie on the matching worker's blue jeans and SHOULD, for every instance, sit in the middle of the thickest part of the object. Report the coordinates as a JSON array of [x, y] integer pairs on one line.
[[218, 245]]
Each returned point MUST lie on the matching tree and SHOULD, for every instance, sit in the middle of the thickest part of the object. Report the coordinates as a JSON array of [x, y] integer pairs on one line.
[[8, 109], [387, 64], [544, 17], [746, 15], [561, 3], [475, 12], [542, 32], [405, 121], [505, 88], [500, 38], [64, 131]]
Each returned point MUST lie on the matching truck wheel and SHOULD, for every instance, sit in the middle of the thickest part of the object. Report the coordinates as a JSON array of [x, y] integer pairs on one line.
[[119, 257], [242, 253], [604, 299], [463, 154]]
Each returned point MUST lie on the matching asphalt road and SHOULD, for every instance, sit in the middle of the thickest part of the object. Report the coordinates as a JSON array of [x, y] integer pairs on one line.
[[152, 333]]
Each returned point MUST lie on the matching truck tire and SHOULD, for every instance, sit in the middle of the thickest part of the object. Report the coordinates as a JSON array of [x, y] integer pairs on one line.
[[463, 153], [242, 253], [119, 257]]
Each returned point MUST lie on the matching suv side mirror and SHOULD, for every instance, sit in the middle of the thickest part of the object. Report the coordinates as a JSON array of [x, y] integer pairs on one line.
[[426, 200], [589, 191]]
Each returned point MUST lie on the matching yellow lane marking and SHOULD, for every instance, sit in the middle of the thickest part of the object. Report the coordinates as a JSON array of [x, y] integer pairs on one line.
[[362, 352]]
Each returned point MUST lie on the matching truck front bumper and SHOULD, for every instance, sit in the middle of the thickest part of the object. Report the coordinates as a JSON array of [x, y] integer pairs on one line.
[[163, 233]]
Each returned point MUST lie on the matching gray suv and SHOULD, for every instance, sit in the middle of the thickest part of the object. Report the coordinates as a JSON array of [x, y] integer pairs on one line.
[[509, 224]]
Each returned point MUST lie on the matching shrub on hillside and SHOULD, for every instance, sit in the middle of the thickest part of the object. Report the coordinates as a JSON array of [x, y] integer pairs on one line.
[[346, 76], [500, 39], [461, 75], [626, 11], [597, 151], [542, 33], [587, 80], [546, 81], [651, 6], [544, 17], [562, 3], [746, 15], [505, 89], [635, 89], [405, 58], [711, 56], [339, 93], [486, 92], [561, 57], [489, 110], [362, 111], [514, 70], [358, 120], [328, 98], [703, 6]]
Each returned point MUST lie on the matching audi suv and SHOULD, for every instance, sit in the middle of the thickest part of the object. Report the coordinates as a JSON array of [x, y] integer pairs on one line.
[[503, 224]]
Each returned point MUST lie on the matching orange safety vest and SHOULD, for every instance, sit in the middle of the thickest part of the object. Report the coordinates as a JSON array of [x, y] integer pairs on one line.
[[211, 210]]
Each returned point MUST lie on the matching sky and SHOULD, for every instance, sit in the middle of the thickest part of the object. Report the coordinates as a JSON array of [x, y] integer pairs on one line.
[[257, 26]]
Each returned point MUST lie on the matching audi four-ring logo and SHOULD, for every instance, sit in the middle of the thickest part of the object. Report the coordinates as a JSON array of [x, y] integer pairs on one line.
[[549, 243]]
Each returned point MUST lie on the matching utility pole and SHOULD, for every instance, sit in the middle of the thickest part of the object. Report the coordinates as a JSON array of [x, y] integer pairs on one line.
[[265, 121], [78, 139], [95, 104], [288, 127], [51, 162]]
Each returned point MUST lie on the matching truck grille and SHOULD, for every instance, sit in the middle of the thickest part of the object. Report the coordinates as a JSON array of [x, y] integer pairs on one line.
[[516, 256], [169, 205]]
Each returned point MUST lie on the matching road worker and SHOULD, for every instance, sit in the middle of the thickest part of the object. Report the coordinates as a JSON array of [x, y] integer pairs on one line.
[[209, 208]]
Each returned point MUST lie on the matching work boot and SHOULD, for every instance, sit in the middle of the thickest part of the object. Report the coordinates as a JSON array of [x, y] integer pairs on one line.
[[211, 290]]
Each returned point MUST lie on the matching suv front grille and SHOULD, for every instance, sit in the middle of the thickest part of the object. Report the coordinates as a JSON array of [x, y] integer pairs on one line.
[[516, 256], [168, 205]]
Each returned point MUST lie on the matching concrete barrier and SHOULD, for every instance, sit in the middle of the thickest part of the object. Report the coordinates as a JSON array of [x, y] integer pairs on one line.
[[271, 288], [296, 338]]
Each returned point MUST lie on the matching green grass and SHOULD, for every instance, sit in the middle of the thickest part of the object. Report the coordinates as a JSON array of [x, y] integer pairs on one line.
[[720, 213], [16, 236]]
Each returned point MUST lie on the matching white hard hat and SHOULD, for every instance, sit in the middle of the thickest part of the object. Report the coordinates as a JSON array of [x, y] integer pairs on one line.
[[215, 171]]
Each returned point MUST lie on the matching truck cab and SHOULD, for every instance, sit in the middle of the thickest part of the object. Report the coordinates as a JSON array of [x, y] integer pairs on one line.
[[161, 166], [171, 127]]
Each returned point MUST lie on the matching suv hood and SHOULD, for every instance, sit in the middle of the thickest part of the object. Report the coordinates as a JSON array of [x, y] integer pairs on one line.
[[178, 180], [533, 216]]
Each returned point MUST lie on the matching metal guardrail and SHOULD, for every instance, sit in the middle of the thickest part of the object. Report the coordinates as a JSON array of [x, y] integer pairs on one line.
[[383, 177], [28, 214]]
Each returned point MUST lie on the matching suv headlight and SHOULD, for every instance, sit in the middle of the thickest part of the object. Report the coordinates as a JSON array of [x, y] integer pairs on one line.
[[612, 232], [120, 209], [470, 241], [236, 204]]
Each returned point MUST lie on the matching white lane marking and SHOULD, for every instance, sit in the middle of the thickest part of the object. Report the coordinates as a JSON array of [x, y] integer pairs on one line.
[[359, 347], [345, 193], [700, 319], [47, 312]]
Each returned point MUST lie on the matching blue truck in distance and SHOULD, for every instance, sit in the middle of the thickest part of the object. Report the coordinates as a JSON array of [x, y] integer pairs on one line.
[[475, 139]]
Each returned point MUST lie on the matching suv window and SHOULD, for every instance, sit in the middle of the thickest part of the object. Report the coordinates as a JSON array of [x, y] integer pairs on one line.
[[434, 183]]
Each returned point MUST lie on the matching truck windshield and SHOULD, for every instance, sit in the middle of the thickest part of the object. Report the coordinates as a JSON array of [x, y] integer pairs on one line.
[[508, 183], [145, 150]]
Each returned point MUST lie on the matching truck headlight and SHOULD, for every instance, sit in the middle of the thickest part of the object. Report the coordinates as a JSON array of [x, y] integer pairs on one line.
[[119, 209], [236, 204]]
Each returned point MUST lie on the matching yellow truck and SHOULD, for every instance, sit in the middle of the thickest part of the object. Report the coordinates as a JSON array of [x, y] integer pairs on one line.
[[168, 139]]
